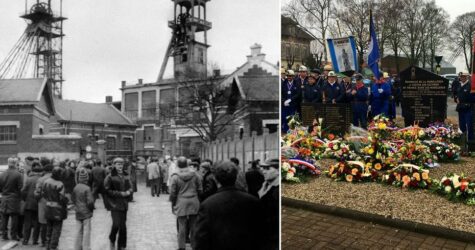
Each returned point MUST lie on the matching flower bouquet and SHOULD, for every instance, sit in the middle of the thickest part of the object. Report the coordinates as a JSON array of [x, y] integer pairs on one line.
[[381, 128], [442, 132], [443, 151], [407, 176], [416, 153], [381, 155], [352, 171], [457, 187]]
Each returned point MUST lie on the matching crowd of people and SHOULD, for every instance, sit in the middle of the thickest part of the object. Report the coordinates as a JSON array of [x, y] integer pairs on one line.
[[217, 206], [366, 100]]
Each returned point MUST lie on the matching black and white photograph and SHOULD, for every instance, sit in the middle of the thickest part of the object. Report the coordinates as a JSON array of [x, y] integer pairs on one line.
[[139, 125]]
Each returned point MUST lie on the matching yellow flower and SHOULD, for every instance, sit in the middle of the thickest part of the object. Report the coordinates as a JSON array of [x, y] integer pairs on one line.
[[377, 166], [349, 178], [370, 151], [382, 125], [417, 176], [354, 171], [406, 179], [425, 175]]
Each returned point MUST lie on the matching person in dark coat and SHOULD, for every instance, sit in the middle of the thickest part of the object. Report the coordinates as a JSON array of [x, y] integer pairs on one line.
[[465, 100], [56, 207], [347, 88], [118, 190], [312, 93], [98, 175], [11, 183], [360, 102], [456, 86], [209, 182], [47, 168], [31, 204], [131, 168], [68, 178], [332, 91], [83, 201], [241, 177], [254, 179], [291, 97], [230, 219], [185, 190], [269, 198]]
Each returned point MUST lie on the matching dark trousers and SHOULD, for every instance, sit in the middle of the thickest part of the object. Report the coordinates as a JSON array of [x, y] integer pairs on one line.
[[164, 188], [119, 219], [53, 233], [360, 114], [43, 229], [156, 186], [466, 123], [31, 222], [14, 225]]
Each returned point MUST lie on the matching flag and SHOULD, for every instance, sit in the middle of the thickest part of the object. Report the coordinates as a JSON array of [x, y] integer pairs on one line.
[[472, 87], [343, 54], [373, 48]]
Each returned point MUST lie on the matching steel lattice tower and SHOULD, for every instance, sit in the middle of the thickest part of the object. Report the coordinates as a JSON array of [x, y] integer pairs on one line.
[[188, 45], [39, 51]]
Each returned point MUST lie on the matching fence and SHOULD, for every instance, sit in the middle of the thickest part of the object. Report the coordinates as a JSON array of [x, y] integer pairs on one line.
[[247, 149]]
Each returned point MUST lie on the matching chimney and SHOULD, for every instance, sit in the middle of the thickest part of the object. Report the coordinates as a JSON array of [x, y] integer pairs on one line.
[[109, 99], [123, 84], [256, 50], [256, 55], [216, 72], [140, 81]]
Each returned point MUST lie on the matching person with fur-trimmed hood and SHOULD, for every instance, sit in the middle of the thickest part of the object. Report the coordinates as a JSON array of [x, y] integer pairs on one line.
[[83, 200], [185, 190]]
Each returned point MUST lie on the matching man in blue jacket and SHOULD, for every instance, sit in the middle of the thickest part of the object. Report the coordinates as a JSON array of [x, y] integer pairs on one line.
[[380, 93], [311, 92], [291, 97], [332, 92], [465, 101], [360, 102]]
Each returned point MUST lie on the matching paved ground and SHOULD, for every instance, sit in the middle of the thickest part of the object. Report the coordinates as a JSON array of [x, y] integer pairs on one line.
[[150, 225], [302, 229]]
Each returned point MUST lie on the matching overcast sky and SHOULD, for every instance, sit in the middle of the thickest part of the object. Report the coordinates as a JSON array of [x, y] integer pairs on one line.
[[108, 41], [454, 8]]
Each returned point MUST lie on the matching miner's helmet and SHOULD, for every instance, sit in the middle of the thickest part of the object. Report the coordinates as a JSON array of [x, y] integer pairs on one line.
[[358, 77], [327, 67], [316, 71], [282, 71], [290, 72], [331, 74], [303, 69], [273, 162]]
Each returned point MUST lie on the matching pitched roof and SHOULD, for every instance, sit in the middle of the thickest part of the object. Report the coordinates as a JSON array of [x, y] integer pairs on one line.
[[21, 91], [258, 85], [299, 31], [90, 112]]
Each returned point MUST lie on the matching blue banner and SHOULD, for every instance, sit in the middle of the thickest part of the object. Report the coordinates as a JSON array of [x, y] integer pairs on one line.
[[343, 54], [373, 49]]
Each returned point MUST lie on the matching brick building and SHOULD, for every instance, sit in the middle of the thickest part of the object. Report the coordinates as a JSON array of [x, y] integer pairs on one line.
[[295, 44]]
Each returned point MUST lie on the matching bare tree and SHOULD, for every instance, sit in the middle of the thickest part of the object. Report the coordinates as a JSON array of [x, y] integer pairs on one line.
[[313, 15], [462, 37], [437, 33], [204, 106], [394, 16]]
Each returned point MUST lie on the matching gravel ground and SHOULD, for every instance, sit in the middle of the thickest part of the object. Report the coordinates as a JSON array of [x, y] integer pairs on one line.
[[418, 206]]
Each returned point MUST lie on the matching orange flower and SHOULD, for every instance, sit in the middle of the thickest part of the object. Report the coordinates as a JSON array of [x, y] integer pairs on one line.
[[425, 175], [406, 179], [349, 178], [417, 176], [332, 169], [331, 137], [377, 166], [398, 176], [354, 171]]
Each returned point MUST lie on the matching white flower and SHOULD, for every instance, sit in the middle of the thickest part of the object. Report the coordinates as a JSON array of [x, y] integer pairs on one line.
[[289, 175], [455, 181], [285, 166], [448, 189]]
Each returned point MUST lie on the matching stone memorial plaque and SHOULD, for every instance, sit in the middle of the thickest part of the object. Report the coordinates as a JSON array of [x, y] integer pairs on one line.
[[424, 96], [308, 114], [337, 118]]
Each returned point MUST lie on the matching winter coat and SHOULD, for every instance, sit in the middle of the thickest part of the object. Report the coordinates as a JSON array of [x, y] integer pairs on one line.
[[254, 179], [230, 219], [68, 180], [184, 192], [28, 191], [42, 201], [153, 171], [165, 169], [98, 176], [83, 201], [115, 187], [11, 183], [241, 181], [270, 204], [210, 186], [54, 193]]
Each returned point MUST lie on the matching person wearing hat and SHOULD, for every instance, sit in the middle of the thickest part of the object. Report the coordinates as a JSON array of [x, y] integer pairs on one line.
[[326, 69], [11, 183], [229, 219], [465, 100], [283, 75], [312, 93], [291, 97], [209, 181], [319, 77], [118, 190], [379, 99], [302, 77], [154, 175], [360, 102], [347, 88], [269, 199], [185, 190], [56, 207], [83, 200], [31, 204], [332, 92]]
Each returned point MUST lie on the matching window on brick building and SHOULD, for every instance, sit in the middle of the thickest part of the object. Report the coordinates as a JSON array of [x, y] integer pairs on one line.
[[126, 144], [110, 143], [148, 133], [8, 134]]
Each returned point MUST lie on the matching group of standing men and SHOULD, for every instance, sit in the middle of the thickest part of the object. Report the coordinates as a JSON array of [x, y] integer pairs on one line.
[[316, 88]]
